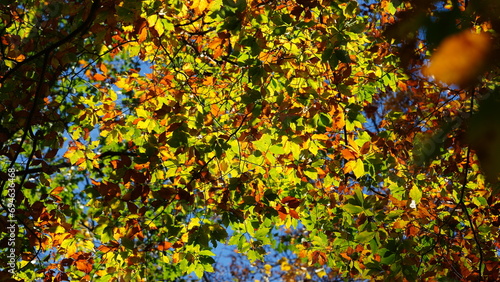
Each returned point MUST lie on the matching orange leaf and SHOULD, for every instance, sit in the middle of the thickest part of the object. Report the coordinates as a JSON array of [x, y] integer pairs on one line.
[[459, 58], [282, 215], [164, 246], [143, 35], [208, 81], [84, 266], [103, 68], [215, 43], [293, 214], [349, 166], [348, 155], [353, 144], [57, 190], [99, 77], [79, 161], [20, 58], [346, 256], [214, 110]]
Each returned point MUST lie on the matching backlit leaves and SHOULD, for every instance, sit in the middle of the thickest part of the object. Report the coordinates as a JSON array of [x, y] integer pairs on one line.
[[302, 133]]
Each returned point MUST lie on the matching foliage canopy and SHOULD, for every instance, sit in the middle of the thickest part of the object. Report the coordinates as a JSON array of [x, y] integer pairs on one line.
[[360, 136]]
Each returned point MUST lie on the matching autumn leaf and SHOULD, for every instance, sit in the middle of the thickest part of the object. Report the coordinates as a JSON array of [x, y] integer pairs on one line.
[[291, 202], [145, 135], [99, 77], [459, 58], [84, 266]]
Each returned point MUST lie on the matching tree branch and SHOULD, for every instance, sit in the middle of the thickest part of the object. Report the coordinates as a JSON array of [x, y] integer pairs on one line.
[[81, 29]]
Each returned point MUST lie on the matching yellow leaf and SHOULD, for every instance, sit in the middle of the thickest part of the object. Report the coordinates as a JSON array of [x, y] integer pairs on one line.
[[185, 237], [356, 166], [156, 24], [122, 83], [152, 20], [69, 245], [87, 244], [267, 268], [164, 258], [415, 194], [142, 113], [176, 257], [320, 137], [199, 5], [320, 272], [285, 266]]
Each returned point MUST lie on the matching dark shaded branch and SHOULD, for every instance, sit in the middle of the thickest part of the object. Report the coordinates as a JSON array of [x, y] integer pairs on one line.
[[191, 21], [79, 30], [112, 154], [55, 168], [201, 32], [461, 204], [49, 170]]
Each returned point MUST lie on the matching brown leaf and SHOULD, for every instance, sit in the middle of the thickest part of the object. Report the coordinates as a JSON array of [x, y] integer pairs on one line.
[[292, 202]]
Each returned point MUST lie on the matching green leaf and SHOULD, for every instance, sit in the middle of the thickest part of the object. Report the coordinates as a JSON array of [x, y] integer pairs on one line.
[[262, 233], [199, 270], [388, 258], [279, 30], [206, 253], [364, 237], [480, 201], [127, 243], [352, 209], [249, 228]]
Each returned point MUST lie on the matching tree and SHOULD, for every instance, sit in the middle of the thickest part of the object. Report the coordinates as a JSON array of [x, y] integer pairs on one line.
[[349, 139]]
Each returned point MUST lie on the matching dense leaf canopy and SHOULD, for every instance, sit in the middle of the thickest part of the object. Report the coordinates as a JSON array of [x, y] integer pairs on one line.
[[323, 139]]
